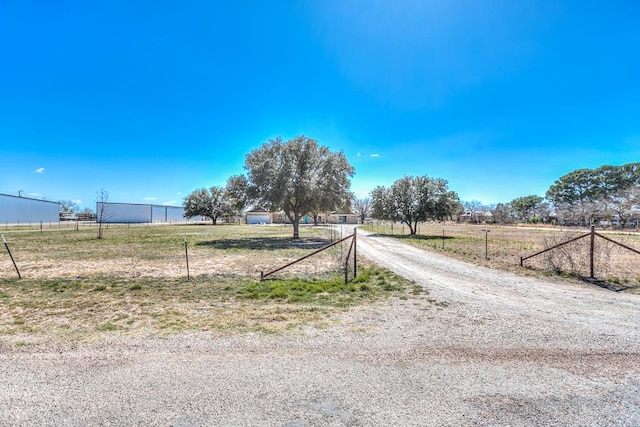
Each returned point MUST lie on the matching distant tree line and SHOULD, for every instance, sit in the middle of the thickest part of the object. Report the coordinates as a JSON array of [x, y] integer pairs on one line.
[[303, 178], [609, 194], [605, 193]]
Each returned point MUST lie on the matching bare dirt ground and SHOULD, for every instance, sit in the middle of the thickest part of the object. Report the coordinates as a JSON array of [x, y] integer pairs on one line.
[[484, 348]]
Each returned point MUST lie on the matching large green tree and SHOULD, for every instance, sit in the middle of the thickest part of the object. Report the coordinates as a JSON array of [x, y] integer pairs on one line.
[[299, 177], [235, 193], [414, 199], [527, 207], [583, 194], [208, 203]]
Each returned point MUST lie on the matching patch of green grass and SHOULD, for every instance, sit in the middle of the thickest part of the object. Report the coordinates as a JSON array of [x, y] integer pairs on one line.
[[108, 326], [371, 284]]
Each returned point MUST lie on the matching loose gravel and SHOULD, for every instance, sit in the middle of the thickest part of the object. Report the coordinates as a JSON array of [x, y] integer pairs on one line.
[[482, 348]]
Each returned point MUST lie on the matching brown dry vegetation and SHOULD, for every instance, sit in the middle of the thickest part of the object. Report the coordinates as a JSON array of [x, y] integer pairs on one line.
[[75, 287], [615, 267]]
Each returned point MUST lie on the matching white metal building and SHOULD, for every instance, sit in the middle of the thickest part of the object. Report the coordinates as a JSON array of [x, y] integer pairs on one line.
[[258, 216], [130, 213], [25, 210]]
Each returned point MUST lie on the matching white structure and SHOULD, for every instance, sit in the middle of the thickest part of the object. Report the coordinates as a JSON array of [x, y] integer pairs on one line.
[[129, 213], [258, 216], [24, 210]]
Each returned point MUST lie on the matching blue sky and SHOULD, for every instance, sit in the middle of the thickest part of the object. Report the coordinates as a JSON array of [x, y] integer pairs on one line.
[[151, 100]]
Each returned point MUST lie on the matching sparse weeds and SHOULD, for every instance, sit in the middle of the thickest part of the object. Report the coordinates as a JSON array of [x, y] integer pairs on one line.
[[506, 244], [78, 288]]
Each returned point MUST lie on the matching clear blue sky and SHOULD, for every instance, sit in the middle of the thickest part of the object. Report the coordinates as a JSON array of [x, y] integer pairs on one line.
[[150, 100]]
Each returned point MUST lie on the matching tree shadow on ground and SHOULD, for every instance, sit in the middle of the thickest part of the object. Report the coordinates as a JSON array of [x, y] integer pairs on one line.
[[615, 287], [415, 236], [267, 243]]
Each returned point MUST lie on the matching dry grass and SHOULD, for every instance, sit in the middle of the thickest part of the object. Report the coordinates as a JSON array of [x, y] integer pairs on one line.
[[615, 267], [78, 288]]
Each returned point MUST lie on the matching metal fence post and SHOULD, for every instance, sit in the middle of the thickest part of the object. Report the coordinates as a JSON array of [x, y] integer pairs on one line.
[[593, 238], [186, 256], [11, 256], [355, 252]]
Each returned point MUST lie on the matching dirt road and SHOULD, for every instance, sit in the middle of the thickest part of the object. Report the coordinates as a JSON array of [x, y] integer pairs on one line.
[[482, 348]]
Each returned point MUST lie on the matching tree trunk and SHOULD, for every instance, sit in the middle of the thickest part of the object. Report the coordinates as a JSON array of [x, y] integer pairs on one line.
[[412, 231], [296, 228]]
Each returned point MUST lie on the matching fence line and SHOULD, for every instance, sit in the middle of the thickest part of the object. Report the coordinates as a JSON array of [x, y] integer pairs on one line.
[[353, 236], [592, 234]]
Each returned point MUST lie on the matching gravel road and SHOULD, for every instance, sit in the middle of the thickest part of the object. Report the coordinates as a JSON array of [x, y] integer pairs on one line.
[[483, 348]]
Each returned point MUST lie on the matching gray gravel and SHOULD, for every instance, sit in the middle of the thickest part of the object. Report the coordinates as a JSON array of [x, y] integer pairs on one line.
[[484, 348]]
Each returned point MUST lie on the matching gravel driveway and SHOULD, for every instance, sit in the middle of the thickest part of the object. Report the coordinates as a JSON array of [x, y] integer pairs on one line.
[[483, 348]]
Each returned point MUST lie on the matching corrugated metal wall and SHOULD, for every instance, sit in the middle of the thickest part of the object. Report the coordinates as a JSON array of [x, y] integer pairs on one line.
[[176, 214], [123, 212], [158, 213], [140, 213], [24, 210]]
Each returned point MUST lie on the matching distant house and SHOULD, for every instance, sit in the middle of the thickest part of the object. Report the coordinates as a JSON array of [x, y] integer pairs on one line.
[[262, 216], [342, 218], [476, 216], [258, 216]]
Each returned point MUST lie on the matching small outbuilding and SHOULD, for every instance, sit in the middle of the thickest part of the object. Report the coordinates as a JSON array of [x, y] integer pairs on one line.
[[258, 216], [342, 218]]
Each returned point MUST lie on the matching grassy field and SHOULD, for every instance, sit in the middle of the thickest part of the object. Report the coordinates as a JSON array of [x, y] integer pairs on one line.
[[502, 246], [76, 288]]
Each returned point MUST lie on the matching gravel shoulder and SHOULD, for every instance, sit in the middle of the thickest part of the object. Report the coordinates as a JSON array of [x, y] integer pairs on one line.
[[481, 348]]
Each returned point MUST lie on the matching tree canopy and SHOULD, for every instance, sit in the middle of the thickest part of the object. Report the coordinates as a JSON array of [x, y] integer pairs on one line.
[[413, 199], [298, 176], [525, 207], [204, 202], [582, 194]]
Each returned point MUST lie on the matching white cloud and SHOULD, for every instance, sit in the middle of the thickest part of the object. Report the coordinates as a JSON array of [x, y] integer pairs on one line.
[[77, 201], [170, 203], [34, 194], [150, 198], [179, 193], [375, 155], [358, 154], [39, 170]]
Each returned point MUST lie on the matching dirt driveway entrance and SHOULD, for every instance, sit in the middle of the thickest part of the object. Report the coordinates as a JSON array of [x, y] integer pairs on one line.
[[483, 348]]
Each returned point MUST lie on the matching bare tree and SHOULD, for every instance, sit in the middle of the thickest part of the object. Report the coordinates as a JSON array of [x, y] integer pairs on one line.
[[362, 207], [474, 210], [68, 206], [503, 214], [102, 210]]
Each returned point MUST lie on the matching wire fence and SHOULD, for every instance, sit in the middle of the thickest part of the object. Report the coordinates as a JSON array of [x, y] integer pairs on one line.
[[502, 247]]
